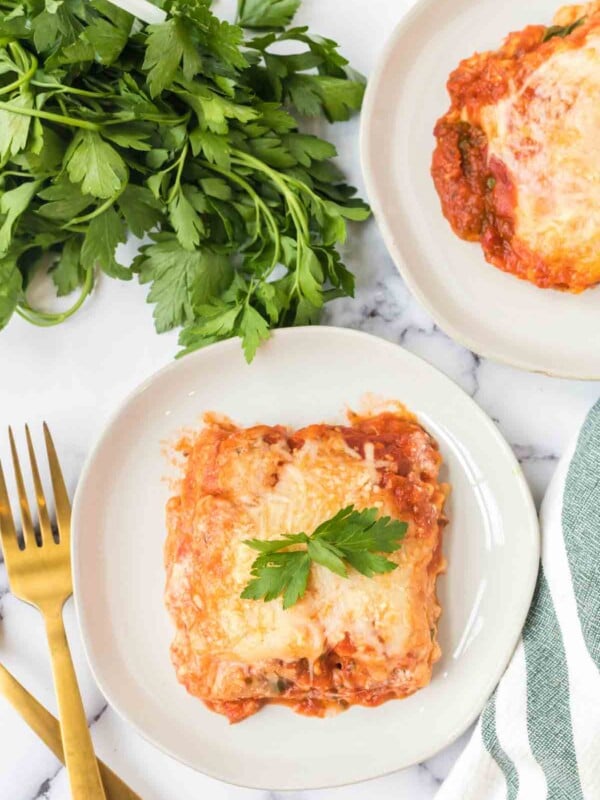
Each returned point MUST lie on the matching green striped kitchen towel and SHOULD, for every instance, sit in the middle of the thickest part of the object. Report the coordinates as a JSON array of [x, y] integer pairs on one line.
[[538, 737]]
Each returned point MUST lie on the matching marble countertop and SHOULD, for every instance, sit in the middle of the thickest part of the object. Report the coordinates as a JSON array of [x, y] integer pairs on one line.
[[74, 375]]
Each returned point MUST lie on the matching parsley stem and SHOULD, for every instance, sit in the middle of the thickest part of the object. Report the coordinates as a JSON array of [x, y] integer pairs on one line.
[[23, 79], [251, 290], [19, 55], [34, 112], [296, 212], [62, 105], [259, 204], [59, 88], [303, 187], [97, 211], [160, 120], [296, 286], [278, 181], [298, 215], [45, 319], [180, 162]]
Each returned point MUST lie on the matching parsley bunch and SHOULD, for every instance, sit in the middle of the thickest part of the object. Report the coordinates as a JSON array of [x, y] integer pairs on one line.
[[181, 133], [349, 539]]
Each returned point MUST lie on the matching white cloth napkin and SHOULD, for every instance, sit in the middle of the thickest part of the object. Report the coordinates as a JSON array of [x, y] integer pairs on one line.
[[538, 737]]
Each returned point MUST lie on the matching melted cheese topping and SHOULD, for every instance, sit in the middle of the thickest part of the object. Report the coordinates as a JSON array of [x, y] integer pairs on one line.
[[262, 482], [516, 164], [547, 134], [308, 491]]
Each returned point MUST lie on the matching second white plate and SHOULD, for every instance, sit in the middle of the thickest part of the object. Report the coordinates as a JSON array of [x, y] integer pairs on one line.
[[301, 375], [489, 311]]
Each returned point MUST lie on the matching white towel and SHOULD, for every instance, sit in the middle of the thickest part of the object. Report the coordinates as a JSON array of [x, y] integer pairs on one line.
[[538, 737]]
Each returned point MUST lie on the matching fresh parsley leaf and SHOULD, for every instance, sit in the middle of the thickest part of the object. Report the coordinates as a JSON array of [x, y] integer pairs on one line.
[[307, 149], [104, 233], [120, 19], [67, 273], [369, 564], [216, 187], [130, 134], [266, 294], [213, 110], [285, 575], [253, 329], [349, 539], [186, 221], [262, 14], [12, 204], [46, 28], [358, 212], [298, 580], [46, 158], [267, 546], [14, 127], [562, 30], [141, 210], [64, 201], [337, 97], [95, 164], [270, 150], [11, 282], [181, 279], [327, 555], [272, 117], [218, 322], [218, 37], [78, 51], [169, 44], [214, 147], [108, 35], [310, 277]]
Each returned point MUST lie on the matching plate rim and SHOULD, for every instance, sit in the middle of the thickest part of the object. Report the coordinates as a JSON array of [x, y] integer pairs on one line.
[[367, 150], [530, 524]]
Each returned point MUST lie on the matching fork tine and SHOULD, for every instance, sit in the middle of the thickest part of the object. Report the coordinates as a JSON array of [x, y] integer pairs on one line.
[[61, 498], [28, 531], [45, 525], [8, 534]]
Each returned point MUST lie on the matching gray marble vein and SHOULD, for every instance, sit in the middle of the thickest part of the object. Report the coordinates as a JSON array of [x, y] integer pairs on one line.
[[43, 792]]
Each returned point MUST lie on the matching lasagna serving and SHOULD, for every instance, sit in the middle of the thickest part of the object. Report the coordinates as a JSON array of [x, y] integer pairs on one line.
[[354, 640], [517, 161]]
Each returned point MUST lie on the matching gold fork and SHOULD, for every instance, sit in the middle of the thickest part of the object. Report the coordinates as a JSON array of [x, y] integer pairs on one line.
[[40, 574]]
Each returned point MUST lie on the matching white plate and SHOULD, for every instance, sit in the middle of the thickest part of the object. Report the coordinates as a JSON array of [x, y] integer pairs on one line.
[[489, 311], [300, 376]]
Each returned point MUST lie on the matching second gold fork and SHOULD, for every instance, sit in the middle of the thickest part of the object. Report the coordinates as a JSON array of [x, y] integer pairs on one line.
[[40, 574]]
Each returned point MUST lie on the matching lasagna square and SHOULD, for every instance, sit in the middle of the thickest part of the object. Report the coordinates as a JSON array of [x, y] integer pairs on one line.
[[354, 640]]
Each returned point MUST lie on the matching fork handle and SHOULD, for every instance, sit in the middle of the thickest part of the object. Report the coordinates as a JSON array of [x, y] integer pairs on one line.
[[80, 759], [47, 728]]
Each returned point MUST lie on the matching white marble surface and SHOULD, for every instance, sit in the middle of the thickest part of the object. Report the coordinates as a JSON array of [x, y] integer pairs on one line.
[[74, 375]]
